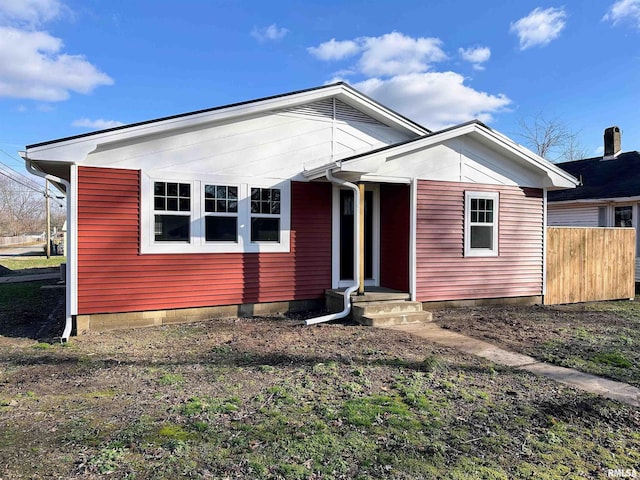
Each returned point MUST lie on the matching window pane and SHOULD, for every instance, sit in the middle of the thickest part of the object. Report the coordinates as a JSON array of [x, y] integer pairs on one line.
[[221, 229], [221, 191], [233, 206], [172, 189], [185, 205], [255, 194], [209, 205], [623, 216], [255, 207], [275, 208], [481, 237], [233, 193], [209, 191], [474, 204], [172, 204], [221, 206], [185, 190], [265, 229], [172, 228], [474, 216], [275, 194], [158, 188], [158, 203]]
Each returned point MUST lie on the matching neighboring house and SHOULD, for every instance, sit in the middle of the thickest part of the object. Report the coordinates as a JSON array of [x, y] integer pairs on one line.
[[232, 206], [608, 194]]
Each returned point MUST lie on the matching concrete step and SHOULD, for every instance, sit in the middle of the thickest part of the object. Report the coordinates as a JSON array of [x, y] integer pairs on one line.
[[370, 308], [387, 319]]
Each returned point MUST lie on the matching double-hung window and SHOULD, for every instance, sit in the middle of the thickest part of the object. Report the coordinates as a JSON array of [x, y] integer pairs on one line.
[[265, 214], [221, 213], [481, 224], [214, 214], [172, 211]]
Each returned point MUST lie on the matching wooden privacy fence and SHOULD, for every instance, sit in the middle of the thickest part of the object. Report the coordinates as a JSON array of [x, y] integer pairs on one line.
[[590, 264]]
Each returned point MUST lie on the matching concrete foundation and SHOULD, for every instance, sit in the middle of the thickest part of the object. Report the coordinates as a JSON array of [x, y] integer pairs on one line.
[[114, 321]]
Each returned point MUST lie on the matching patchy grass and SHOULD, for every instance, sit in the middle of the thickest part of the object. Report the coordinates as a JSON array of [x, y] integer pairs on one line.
[[268, 398], [602, 338], [32, 264]]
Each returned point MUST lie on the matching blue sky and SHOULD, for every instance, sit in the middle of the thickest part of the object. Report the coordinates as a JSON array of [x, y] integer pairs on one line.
[[72, 66]]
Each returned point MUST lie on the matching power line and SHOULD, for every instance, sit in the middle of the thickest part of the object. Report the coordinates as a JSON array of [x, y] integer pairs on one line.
[[17, 177]]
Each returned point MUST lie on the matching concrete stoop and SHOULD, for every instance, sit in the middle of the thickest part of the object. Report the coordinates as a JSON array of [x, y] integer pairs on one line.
[[389, 312]]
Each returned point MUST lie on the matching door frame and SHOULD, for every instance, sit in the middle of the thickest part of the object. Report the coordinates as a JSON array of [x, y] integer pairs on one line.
[[335, 239]]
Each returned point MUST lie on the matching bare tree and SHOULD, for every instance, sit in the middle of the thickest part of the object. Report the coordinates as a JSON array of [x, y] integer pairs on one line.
[[22, 211], [551, 139]]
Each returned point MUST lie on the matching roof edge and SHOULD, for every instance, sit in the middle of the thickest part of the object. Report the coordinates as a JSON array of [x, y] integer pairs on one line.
[[345, 85]]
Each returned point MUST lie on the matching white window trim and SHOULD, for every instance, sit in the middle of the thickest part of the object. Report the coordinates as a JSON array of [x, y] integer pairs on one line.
[[481, 252], [197, 243]]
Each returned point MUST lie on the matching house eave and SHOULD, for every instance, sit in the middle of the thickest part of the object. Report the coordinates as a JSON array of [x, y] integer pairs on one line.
[[635, 198]]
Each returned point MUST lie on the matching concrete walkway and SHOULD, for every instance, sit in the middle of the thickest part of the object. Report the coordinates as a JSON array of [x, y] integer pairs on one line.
[[622, 392], [29, 278]]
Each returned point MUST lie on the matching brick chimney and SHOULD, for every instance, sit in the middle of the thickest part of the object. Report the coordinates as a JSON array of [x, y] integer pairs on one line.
[[612, 143]]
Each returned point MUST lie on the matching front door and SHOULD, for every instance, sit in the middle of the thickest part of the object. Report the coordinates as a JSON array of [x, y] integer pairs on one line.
[[344, 221]]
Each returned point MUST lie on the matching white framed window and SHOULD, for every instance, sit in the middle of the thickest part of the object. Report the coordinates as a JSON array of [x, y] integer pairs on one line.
[[213, 214], [172, 211], [265, 214], [221, 213], [481, 224]]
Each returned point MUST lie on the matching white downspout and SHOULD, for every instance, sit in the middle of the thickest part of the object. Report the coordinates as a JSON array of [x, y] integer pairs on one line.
[[69, 290], [356, 253]]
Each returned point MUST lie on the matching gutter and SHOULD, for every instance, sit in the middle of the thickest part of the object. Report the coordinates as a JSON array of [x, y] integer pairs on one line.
[[52, 178], [356, 253]]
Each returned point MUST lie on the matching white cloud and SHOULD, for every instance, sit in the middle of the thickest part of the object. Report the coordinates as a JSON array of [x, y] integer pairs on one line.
[[98, 124], [624, 10], [272, 32], [389, 54], [475, 55], [395, 53], [398, 71], [539, 27], [333, 50], [29, 12], [434, 99], [32, 66]]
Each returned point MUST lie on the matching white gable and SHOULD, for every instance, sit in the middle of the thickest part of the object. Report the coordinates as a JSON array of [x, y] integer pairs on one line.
[[275, 144], [468, 153], [276, 137]]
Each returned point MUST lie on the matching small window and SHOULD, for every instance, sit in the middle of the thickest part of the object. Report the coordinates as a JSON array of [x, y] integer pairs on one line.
[[265, 214], [172, 208], [623, 216], [602, 216], [221, 213], [481, 224]]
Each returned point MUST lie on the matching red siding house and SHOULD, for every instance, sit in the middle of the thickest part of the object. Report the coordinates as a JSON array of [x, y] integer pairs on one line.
[[244, 209]]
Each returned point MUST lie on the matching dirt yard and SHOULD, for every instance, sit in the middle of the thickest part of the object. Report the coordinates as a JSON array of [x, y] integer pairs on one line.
[[271, 398]]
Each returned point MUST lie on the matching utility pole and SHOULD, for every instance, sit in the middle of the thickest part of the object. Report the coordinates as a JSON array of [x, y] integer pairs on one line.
[[48, 207]]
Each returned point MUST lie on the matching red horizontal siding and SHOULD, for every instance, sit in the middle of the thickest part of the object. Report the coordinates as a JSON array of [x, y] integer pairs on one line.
[[443, 272], [113, 277]]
